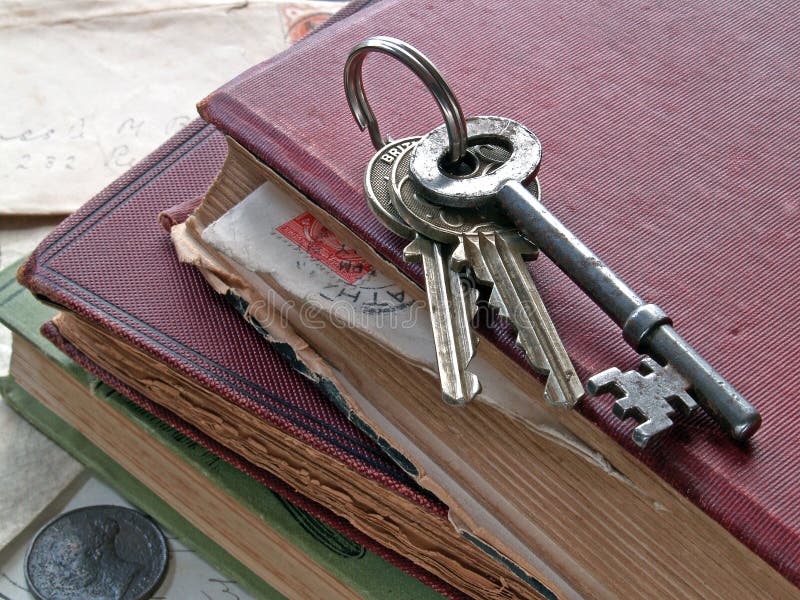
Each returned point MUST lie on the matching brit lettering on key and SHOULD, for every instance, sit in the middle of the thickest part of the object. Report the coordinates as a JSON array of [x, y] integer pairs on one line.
[[390, 155]]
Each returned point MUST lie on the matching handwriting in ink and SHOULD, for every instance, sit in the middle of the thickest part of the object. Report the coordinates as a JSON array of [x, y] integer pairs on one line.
[[130, 125], [29, 135]]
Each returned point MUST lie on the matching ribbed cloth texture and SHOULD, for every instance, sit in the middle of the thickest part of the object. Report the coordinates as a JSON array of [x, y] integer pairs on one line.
[[113, 263], [670, 138]]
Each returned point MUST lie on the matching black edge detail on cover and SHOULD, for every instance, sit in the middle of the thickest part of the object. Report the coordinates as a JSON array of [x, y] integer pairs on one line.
[[512, 566]]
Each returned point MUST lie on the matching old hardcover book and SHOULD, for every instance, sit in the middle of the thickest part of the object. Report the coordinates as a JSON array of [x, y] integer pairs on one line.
[[665, 149], [289, 552], [132, 315], [371, 348]]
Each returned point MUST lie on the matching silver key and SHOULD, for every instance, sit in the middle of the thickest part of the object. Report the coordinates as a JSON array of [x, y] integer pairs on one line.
[[450, 304], [493, 248], [645, 327]]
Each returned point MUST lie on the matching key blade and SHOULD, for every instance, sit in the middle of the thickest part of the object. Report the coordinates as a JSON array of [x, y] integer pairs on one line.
[[449, 306], [496, 300], [472, 295], [502, 254]]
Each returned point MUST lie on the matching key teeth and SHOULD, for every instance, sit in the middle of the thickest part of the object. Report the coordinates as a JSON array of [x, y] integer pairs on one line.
[[684, 403], [412, 253], [649, 426], [458, 259], [472, 388], [467, 251], [535, 355], [555, 396], [651, 395], [643, 434], [516, 298], [647, 366], [472, 306], [497, 302], [603, 382]]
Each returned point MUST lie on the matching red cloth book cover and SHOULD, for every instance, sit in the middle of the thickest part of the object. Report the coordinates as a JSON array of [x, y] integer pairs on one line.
[[669, 135], [113, 264]]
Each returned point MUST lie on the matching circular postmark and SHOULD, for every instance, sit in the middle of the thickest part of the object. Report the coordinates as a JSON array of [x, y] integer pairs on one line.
[[97, 553]]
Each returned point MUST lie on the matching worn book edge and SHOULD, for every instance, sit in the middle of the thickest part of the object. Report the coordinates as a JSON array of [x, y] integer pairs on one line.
[[243, 173], [420, 536], [371, 576], [200, 147]]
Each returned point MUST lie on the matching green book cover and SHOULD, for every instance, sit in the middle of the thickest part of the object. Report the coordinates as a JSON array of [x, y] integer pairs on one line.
[[363, 571]]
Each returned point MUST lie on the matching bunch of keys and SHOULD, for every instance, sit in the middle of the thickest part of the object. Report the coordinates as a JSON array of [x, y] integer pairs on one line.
[[466, 197]]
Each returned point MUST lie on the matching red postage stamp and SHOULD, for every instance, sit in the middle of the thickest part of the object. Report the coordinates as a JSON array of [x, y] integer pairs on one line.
[[320, 244]]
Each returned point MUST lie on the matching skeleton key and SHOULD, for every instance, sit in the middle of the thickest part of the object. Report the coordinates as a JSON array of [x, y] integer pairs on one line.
[[451, 306], [495, 251], [644, 326]]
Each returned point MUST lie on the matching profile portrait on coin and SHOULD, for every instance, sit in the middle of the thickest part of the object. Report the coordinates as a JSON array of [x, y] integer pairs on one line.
[[88, 564], [96, 553]]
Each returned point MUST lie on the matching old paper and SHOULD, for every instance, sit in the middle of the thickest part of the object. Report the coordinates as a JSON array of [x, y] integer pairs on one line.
[[91, 87], [371, 302]]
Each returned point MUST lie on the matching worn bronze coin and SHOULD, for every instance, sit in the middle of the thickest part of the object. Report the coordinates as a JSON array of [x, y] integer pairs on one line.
[[97, 553]]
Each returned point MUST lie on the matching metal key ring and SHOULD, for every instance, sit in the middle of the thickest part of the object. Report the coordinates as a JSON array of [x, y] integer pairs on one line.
[[475, 192], [422, 68]]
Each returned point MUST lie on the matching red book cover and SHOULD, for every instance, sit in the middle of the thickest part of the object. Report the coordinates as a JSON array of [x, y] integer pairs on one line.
[[669, 135], [113, 264]]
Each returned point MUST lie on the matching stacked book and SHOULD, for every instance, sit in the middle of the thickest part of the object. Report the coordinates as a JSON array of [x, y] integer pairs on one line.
[[242, 342]]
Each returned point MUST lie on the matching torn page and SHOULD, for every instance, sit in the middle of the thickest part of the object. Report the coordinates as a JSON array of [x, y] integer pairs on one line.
[[270, 233]]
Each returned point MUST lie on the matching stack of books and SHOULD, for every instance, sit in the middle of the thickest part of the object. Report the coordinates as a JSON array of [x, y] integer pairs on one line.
[[265, 357], [254, 528]]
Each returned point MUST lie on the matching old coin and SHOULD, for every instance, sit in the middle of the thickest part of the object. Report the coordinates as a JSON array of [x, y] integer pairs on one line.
[[97, 553]]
